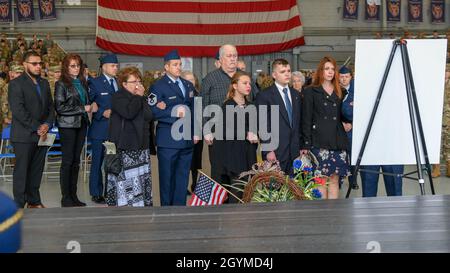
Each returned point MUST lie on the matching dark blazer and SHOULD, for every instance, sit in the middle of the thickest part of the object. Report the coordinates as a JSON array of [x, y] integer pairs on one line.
[[69, 108], [169, 92], [29, 110], [289, 137], [100, 92], [321, 120], [136, 115]]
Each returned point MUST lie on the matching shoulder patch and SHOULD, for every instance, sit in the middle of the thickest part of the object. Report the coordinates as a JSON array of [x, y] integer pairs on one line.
[[152, 99]]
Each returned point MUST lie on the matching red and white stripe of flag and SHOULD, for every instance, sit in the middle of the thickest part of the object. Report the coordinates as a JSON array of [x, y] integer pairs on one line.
[[198, 27], [218, 196]]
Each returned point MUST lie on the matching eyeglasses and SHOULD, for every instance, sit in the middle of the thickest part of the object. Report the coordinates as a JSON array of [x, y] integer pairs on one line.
[[74, 66], [135, 82], [36, 63], [231, 56]]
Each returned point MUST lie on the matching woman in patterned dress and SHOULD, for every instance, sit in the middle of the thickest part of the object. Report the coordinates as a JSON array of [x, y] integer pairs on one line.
[[322, 130], [129, 130]]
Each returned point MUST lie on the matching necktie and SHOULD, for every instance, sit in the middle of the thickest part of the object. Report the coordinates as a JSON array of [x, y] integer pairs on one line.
[[288, 105], [181, 87], [112, 84], [38, 89]]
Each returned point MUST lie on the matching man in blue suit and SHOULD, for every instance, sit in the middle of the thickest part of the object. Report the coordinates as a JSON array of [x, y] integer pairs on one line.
[[174, 156], [100, 92]]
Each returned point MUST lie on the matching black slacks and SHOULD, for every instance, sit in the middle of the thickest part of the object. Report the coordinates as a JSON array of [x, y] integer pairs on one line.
[[214, 159], [72, 141], [27, 175]]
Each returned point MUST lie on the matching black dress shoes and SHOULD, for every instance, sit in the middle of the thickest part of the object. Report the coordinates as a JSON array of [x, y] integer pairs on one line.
[[78, 203], [38, 206], [98, 199]]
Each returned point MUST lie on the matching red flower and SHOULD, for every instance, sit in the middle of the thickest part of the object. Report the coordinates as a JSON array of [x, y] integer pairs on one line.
[[321, 181]]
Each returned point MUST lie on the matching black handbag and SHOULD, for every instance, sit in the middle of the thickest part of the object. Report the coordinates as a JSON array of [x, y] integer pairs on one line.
[[112, 163]]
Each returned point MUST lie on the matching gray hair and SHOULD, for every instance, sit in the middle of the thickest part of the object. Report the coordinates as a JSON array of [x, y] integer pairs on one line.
[[300, 75], [222, 49]]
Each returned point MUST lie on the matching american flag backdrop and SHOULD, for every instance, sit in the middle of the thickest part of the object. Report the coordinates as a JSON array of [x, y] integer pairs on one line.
[[198, 27], [207, 192]]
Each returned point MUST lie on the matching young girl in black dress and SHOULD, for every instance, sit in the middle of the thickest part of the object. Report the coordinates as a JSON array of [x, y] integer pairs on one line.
[[238, 152]]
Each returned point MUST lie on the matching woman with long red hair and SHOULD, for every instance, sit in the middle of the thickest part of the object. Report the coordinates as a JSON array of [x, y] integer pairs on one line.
[[322, 129]]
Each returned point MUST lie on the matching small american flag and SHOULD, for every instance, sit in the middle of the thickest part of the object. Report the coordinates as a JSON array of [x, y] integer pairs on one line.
[[208, 192]]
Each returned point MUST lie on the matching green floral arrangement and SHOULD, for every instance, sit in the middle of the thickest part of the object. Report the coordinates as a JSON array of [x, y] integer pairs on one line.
[[308, 179], [267, 183]]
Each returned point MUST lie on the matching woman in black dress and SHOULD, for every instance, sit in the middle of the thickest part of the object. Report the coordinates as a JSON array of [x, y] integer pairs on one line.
[[238, 151], [322, 128]]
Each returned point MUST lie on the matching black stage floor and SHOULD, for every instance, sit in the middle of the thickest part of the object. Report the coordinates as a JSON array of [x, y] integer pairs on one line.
[[401, 224]]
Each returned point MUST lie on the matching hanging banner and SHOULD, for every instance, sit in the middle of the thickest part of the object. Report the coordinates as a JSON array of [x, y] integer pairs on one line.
[[5, 11], [415, 11], [437, 11], [393, 10], [25, 11], [47, 10], [372, 10], [350, 10]]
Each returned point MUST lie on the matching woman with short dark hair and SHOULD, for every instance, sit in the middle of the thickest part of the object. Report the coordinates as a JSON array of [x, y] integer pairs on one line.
[[129, 130]]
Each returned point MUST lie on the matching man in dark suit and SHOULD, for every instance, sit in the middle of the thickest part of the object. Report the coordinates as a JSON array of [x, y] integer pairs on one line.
[[100, 92], [174, 156], [289, 102], [31, 104]]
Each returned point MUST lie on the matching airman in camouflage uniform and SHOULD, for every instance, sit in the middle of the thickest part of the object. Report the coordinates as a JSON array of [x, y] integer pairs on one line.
[[5, 51], [3, 37], [446, 124], [445, 141], [16, 71], [48, 42], [56, 53], [54, 73], [2, 87], [18, 55]]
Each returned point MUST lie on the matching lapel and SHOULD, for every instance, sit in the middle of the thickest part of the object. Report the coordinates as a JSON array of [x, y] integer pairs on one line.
[[174, 86], [86, 95], [106, 84], [279, 100], [32, 89], [295, 109], [43, 93]]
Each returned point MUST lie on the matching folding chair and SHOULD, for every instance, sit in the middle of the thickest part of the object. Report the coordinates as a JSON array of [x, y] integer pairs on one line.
[[87, 156], [5, 151], [53, 153]]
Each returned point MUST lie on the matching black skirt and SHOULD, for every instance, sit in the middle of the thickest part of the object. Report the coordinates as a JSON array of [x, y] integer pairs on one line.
[[236, 156], [196, 163]]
